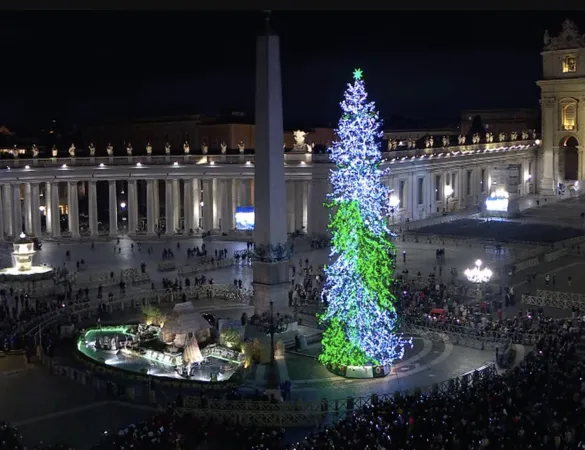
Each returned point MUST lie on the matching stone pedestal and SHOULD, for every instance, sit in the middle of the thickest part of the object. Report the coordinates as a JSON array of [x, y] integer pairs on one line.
[[271, 282]]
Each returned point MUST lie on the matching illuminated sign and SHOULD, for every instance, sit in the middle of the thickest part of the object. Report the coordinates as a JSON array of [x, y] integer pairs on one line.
[[244, 218]]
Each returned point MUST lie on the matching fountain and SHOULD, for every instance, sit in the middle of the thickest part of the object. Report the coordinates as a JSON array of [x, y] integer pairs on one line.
[[22, 263]]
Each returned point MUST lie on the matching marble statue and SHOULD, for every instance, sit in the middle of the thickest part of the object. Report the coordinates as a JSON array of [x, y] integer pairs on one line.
[[91, 149], [148, 148], [167, 149], [392, 144], [310, 147], [204, 148], [489, 137], [513, 136], [35, 151], [475, 138], [72, 151], [15, 152], [410, 143], [110, 149], [223, 147], [129, 149], [524, 135], [186, 148], [445, 141], [300, 145], [502, 136], [461, 139], [54, 152], [241, 146], [429, 142]]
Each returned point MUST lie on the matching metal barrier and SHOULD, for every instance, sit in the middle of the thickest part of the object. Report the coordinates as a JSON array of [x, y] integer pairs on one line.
[[194, 268], [466, 336], [561, 300]]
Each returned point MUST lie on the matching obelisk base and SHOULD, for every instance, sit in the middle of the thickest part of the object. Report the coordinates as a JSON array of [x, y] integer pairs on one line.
[[271, 282]]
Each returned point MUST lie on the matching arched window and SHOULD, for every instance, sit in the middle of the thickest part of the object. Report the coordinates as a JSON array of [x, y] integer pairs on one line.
[[568, 115]]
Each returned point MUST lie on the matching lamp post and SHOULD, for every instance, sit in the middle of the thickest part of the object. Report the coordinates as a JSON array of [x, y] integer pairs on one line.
[[273, 327], [478, 275]]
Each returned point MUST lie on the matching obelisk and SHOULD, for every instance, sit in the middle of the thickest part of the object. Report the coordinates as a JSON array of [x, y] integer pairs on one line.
[[271, 276]]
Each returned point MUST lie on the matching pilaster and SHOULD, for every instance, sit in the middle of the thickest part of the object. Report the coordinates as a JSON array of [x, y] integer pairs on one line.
[[176, 203], [73, 205], [7, 206], [207, 205], [132, 207], [188, 205]]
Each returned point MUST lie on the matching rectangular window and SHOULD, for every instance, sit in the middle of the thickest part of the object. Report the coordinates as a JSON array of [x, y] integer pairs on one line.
[[420, 192], [438, 188], [401, 194], [468, 185], [482, 181], [569, 64]]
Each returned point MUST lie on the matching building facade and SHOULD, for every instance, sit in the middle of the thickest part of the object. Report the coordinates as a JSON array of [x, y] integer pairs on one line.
[[563, 110], [202, 192]]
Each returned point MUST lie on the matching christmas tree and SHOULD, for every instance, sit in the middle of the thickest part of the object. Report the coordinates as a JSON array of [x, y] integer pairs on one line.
[[360, 319]]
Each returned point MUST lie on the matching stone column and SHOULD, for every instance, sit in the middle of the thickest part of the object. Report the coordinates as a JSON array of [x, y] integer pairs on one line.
[[215, 202], [7, 209], [290, 206], [188, 205], [132, 207], [36, 210], [113, 200], [73, 209], [16, 210], [169, 207], [318, 214], [271, 277], [196, 193], [156, 204], [2, 214], [176, 203], [301, 206], [227, 212], [48, 218], [55, 212], [92, 204], [244, 192], [207, 205], [150, 220], [28, 209]]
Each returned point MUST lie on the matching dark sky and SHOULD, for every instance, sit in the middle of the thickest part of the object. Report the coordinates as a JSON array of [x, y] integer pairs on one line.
[[90, 67]]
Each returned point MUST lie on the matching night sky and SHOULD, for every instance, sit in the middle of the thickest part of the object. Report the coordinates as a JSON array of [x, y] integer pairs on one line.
[[84, 68]]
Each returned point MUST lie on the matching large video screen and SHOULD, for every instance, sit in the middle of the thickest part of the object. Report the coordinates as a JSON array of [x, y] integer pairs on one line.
[[244, 217]]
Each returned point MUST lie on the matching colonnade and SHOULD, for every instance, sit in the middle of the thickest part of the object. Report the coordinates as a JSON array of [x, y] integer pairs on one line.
[[189, 204]]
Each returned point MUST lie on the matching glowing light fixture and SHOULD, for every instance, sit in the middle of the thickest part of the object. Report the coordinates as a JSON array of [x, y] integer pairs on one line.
[[478, 274]]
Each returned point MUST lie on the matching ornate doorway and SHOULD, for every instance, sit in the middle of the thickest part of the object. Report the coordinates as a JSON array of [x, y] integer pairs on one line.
[[569, 158]]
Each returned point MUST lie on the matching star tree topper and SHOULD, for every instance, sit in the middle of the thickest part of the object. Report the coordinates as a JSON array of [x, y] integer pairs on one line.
[[358, 74]]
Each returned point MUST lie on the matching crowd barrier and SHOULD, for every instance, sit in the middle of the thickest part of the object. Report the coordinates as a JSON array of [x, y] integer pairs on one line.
[[468, 337], [555, 299], [206, 266], [147, 389]]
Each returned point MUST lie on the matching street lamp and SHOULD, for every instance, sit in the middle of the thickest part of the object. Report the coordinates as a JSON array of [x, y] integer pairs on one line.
[[273, 327], [478, 275]]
